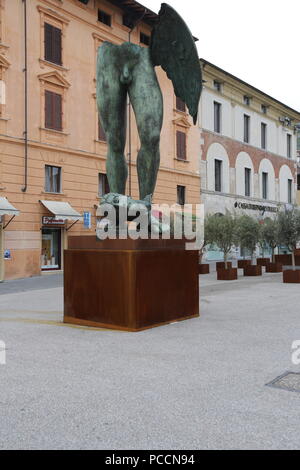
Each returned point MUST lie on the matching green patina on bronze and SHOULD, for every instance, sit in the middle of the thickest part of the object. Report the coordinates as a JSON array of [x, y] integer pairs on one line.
[[129, 70]]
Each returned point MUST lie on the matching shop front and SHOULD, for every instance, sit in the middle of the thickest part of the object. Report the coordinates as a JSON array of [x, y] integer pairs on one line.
[[6, 209], [55, 233], [219, 204]]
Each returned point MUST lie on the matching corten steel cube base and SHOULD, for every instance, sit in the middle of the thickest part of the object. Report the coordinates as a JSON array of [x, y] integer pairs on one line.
[[229, 274], [291, 276], [242, 263], [283, 259], [203, 269], [129, 285], [263, 261], [274, 268], [221, 265], [253, 270]]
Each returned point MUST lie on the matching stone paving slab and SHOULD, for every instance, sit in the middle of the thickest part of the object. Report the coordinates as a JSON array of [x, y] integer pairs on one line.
[[197, 384]]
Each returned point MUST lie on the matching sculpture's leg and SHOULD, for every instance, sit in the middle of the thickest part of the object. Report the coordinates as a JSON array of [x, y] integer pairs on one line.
[[111, 101], [146, 98]]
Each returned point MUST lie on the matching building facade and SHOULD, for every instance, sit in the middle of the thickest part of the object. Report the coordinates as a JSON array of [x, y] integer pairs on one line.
[[249, 147], [52, 148]]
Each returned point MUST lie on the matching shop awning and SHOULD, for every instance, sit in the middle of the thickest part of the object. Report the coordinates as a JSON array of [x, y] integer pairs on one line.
[[62, 210], [6, 208]]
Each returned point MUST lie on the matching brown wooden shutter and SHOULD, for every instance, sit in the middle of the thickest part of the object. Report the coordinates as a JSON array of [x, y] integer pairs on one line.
[[106, 186], [48, 110], [53, 110], [180, 105], [53, 44], [57, 46], [181, 145], [57, 104], [48, 41], [101, 133]]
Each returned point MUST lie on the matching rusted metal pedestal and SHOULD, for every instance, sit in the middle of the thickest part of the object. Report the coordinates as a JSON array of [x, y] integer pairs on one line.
[[129, 285]]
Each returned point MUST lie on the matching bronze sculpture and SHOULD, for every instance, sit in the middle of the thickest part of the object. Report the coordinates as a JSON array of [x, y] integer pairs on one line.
[[129, 69]]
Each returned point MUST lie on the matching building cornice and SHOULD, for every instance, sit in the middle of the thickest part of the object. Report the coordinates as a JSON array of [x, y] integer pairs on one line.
[[244, 86]]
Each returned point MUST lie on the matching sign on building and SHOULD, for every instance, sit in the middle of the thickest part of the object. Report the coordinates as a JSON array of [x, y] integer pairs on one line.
[[87, 220]]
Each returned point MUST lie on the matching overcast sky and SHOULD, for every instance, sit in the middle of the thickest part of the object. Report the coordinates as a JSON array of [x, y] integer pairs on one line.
[[256, 40]]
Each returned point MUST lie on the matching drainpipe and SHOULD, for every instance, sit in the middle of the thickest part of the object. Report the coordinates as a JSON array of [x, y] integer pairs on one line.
[[25, 133]]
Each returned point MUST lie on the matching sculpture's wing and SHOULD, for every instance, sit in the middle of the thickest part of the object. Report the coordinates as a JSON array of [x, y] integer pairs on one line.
[[173, 47]]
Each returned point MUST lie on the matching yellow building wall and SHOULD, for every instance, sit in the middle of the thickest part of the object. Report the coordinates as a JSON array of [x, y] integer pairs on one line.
[[76, 149]]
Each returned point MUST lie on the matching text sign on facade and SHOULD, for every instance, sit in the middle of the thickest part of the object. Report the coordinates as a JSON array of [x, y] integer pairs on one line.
[[52, 221], [87, 220], [255, 207]]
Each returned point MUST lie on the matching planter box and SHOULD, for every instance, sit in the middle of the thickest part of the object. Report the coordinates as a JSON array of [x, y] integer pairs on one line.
[[274, 268], [203, 269], [253, 270], [221, 265], [242, 263], [230, 274], [284, 259], [263, 261], [292, 277]]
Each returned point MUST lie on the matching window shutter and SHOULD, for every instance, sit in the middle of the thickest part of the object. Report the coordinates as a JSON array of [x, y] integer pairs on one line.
[[53, 44], [53, 110], [178, 144], [180, 105], [101, 133], [181, 145], [57, 99], [57, 46], [48, 109], [48, 42]]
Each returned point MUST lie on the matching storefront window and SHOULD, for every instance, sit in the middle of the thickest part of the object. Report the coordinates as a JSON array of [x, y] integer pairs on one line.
[[51, 249]]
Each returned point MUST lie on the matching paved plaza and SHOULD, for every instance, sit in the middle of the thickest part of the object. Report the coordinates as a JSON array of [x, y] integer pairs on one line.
[[197, 384]]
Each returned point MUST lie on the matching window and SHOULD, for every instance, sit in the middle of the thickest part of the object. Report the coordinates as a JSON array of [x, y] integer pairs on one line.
[[217, 85], [264, 109], [145, 39], [265, 185], [101, 133], [263, 135], [218, 175], [247, 100], [53, 110], [217, 117], [180, 105], [181, 145], [104, 18], [103, 185], [289, 145], [247, 182], [53, 47], [246, 128], [181, 195], [290, 189], [52, 179]]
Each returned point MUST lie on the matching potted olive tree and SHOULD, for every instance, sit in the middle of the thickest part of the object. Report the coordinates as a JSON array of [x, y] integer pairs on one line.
[[263, 244], [223, 234], [270, 234], [248, 233], [289, 235], [207, 240]]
